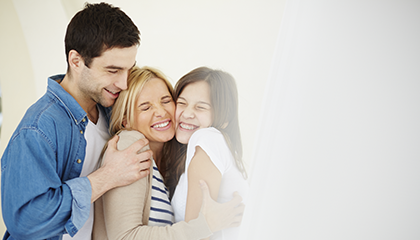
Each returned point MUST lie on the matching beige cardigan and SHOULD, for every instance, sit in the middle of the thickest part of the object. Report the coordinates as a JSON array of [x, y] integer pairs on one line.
[[123, 212]]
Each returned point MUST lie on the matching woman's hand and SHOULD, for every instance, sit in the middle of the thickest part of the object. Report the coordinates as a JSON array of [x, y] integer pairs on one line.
[[221, 215]]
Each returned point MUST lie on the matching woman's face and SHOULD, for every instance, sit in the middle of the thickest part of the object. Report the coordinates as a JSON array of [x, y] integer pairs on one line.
[[154, 113], [193, 110]]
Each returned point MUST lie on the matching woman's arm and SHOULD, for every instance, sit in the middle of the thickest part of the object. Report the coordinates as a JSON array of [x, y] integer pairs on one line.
[[200, 168], [122, 213]]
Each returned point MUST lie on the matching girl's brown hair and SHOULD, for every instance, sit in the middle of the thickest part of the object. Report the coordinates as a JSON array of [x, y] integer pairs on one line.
[[224, 101]]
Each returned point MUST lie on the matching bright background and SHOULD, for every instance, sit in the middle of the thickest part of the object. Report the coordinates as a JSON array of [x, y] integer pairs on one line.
[[176, 36], [329, 99]]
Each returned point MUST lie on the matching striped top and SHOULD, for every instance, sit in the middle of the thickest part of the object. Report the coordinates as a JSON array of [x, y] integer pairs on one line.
[[161, 212]]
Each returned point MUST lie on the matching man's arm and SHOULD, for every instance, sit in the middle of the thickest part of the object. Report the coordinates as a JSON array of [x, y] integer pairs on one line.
[[36, 203]]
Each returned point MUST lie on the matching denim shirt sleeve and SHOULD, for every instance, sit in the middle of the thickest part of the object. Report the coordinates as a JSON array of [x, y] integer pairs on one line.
[[81, 191], [36, 203]]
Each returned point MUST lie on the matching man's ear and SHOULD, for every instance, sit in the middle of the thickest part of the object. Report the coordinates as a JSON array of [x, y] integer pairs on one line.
[[76, 61]]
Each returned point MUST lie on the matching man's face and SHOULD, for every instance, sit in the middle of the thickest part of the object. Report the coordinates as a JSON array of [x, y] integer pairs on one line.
[[107, 75]]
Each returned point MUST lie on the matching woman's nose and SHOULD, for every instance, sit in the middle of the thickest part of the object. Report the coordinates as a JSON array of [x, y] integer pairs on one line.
[[159, 111]]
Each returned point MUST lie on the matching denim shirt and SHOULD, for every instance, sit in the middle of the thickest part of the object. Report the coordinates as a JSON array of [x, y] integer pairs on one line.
[[42, 195]]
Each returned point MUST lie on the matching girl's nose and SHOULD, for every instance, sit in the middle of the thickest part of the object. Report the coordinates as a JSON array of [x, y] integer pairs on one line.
[[188, 113]]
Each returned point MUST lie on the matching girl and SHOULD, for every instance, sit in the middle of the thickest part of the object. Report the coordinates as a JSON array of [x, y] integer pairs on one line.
[[207, 122]]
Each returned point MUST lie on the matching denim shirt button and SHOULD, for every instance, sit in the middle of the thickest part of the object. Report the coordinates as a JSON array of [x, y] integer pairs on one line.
[[84, 120], [79, 161], [81, 131]]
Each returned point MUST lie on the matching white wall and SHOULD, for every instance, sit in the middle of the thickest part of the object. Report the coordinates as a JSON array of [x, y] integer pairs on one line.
[[336, 152], [343, 159], [177, 36]]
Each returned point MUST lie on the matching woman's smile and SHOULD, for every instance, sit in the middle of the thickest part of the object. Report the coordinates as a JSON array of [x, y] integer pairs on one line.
[[162, 125]]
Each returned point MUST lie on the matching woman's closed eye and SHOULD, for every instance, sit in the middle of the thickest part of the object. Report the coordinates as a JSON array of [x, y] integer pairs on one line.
[[166, 100], [144, 106]]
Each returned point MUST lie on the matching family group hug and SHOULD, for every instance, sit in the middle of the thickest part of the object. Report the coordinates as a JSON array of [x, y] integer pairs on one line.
[[113, 151]]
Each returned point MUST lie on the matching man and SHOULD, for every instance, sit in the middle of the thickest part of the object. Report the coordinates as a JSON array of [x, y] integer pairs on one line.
[[48, 175]]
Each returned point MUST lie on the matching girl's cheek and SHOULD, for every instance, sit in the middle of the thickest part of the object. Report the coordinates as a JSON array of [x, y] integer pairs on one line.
[[177, 115]]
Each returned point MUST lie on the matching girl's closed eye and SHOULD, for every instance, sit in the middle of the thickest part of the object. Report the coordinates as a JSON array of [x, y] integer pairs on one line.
[[203, 106]]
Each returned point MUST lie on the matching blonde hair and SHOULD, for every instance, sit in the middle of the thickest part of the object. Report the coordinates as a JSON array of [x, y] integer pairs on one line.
[[125, 105]]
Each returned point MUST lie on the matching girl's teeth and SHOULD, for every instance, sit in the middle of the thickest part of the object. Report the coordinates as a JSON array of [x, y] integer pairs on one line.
[[188, 127], [161, 125]]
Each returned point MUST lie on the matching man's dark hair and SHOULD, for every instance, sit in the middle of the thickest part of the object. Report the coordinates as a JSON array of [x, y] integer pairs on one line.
[[99, 27]]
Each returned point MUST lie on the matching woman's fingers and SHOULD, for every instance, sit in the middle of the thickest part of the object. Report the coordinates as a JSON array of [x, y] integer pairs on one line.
[[221, 215]]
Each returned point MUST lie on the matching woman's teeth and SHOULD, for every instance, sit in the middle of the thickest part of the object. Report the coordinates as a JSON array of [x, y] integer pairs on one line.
[[161, 125]]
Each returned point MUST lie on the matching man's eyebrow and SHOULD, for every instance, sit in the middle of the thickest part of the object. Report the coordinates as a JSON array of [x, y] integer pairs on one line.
[[114, 67], [119, 68]]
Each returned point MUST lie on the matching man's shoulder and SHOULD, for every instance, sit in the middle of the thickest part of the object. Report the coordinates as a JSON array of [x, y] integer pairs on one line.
[[46, 106], [46, 114]]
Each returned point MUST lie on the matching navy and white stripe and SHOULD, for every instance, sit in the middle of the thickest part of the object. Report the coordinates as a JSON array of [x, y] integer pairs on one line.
[[161, 212]]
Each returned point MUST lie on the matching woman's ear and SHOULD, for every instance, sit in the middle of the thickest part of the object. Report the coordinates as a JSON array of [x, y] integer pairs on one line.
[[125, 124]]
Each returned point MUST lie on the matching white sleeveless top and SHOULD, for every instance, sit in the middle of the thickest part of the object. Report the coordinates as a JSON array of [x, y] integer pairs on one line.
[[213, 143]]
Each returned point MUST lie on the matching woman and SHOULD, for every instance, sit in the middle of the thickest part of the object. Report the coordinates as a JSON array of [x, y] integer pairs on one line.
[[207, 121], [142, 210]]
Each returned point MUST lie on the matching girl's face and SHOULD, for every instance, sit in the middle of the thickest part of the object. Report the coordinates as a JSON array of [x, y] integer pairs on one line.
[[154, 113], [193, 110]]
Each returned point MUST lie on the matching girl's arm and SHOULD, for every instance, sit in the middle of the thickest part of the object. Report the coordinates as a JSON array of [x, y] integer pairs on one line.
[[200, 168]]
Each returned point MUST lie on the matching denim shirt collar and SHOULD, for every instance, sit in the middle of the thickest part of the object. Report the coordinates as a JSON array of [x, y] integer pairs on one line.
[[67, 101]]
